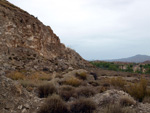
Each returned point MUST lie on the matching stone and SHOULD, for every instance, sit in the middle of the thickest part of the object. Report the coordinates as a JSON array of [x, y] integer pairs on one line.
[[24, 111], [11, 99], [20, 107], [27, 106]]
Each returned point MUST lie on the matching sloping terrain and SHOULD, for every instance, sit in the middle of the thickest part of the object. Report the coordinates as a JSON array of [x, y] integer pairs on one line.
[[14, 98], [38, 74], [26, 43]]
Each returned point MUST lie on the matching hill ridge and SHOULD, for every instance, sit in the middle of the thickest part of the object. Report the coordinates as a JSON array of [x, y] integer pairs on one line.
[[137, 59], [27, 43]]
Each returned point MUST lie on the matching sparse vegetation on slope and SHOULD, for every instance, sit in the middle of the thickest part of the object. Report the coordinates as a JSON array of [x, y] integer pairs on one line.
[[83, 106], [54, 104], [46, 90], [73, 81], [138, 90]]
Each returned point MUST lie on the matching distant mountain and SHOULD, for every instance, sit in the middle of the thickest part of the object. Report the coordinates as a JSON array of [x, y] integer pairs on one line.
[[137, 59]]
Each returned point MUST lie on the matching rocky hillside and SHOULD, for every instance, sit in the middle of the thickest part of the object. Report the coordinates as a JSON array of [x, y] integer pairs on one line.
[[15, 99], [26, 43]]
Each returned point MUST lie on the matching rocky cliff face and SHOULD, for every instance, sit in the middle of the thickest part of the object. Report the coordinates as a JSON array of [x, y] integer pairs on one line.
[[26, 43]]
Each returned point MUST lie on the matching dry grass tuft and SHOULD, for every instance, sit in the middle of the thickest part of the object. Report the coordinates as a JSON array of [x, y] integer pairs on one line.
[[118, 82], [54, 104], [66, 92], [16, 75], [146, 99], [85, 91], [83, 106], [39, 76], [117, 109], [82, 75], [138, 90], [126, 101], [46, 90], [73, 81], [101, 89]]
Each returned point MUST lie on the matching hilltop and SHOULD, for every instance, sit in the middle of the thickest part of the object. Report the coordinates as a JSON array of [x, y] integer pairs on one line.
[[136, 59]]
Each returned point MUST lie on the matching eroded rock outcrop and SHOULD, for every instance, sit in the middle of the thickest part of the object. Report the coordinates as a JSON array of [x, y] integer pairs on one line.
[[22, 36], [15, 99]]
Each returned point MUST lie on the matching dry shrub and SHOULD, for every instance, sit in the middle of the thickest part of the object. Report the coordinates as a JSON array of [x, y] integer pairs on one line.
[[126, 101], [20, 75], [54, 104], [138, 90], [46, 89], [104, 80], [66, 92], [85, 91], [28, 83], [83, 106], [146, 99], [73, 81], [117, 109], [16, 75], [39, 76], [59, 76], [82, 75], [118, 82], [94, 83], [32, 83], [101, 89]]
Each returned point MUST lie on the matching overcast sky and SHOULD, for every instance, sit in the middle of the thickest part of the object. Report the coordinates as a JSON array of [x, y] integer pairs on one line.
[[96, 29]]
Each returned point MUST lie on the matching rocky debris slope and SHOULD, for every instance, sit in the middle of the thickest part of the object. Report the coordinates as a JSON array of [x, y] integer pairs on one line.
[[111, 96], [114, 97], [144, 108], [15, 99], [23, 38]]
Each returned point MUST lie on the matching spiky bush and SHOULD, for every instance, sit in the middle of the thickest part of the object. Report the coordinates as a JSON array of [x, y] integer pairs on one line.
[[73, 81], [118, 82], [82, 75], [116, 108], [46, 89], [54, 104], [85, 91], [83, 106], [66, 92], [126, 101], [138, 90]]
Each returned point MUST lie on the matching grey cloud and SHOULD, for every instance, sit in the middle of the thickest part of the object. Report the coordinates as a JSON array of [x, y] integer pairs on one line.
[[97, 29]]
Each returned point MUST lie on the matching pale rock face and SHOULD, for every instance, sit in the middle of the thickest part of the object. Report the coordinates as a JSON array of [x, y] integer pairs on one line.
[[23, 32]]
